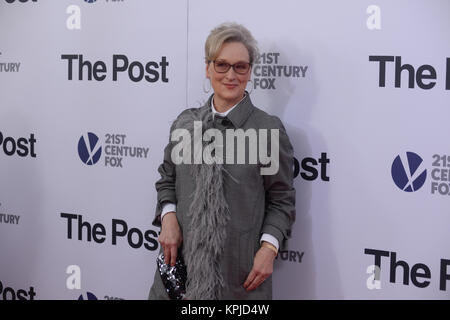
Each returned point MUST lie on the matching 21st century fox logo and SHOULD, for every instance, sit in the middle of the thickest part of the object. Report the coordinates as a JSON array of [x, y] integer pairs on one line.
[[114, 148], [409, 173]]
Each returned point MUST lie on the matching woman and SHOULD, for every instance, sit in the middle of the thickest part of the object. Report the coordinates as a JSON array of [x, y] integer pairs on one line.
[[226, 219]]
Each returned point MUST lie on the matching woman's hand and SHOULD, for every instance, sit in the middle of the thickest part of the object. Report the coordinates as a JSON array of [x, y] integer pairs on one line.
[[262, 268], [170, 237]]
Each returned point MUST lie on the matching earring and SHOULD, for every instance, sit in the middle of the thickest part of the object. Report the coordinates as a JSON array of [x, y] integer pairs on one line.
[[251, 90], [206, 88]]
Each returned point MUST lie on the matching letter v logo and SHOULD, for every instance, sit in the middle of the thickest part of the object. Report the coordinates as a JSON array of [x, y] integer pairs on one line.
[[89, 148], [408, 173]]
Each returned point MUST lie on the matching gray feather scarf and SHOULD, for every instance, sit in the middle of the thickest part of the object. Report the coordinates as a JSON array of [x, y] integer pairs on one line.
[[209, 215]]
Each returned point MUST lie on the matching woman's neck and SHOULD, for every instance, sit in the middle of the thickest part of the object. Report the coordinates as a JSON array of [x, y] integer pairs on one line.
[[224, 105]]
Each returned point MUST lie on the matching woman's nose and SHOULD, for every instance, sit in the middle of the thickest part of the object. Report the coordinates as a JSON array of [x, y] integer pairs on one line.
[[231, 74]]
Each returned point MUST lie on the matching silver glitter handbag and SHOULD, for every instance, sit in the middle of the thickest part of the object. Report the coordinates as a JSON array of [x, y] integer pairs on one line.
[[173, 277]]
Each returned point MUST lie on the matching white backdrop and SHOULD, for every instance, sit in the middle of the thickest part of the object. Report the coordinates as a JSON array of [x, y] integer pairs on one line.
[[62, 221]]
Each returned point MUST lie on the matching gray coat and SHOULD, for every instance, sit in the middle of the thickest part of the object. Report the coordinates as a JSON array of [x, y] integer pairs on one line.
[[258, 203]]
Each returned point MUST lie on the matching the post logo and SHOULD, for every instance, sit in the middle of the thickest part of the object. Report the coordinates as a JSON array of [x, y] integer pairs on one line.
[[408, 172], [89, 148]]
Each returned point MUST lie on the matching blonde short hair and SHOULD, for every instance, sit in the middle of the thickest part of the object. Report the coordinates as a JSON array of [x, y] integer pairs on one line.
[[230, 32]]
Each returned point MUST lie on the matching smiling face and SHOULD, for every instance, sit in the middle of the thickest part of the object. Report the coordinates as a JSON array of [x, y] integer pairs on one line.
[[229, 87]]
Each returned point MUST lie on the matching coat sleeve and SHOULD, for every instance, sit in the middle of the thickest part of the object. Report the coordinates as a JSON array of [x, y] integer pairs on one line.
[[165, 186], [280, 193]]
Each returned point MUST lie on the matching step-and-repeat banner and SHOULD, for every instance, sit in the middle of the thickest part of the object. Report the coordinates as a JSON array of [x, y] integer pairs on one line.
[[88, 90]]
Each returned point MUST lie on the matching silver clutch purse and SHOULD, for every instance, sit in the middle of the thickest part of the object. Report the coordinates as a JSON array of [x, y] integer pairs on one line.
[[173, 277]]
